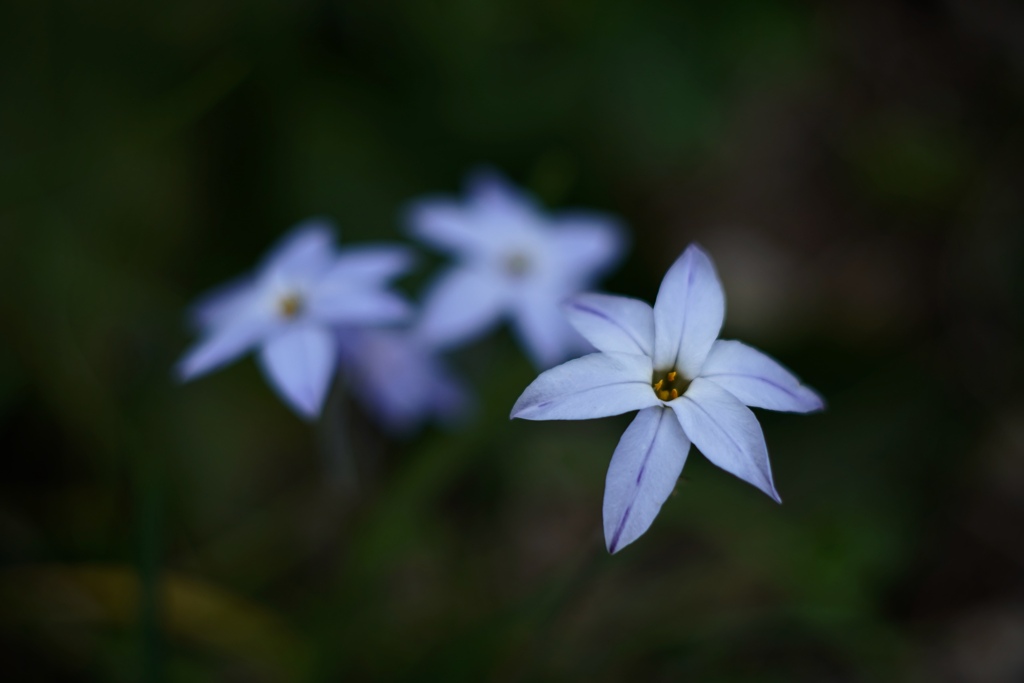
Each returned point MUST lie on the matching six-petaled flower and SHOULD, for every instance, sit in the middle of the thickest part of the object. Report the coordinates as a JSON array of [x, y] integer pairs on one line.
[[688, 385], [513, 261], [289, 308]]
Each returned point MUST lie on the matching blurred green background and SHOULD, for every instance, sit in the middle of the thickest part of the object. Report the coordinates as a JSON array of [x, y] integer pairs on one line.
[[855, 168]]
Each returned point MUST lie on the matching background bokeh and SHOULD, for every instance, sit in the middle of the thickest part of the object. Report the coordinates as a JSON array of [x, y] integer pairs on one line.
[[856, 168]]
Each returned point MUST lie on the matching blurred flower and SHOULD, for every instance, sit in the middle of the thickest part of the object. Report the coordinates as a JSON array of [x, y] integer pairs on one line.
[[400, 379], [289, 307], [513, 261], [687, 384]]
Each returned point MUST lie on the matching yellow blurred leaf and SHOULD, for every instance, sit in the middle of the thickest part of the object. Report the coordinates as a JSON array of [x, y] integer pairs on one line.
[[194, 611]]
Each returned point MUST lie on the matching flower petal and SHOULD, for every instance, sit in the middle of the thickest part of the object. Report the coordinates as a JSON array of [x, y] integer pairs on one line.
[[613, 323], [461, 305], [544, 332], [299, 363], [400, 381], [358, 307], [587, 245], [597, 385], [219, 305], [494, 218], [369, 265], [688, 313], [352, 291], [757, 379], [446, 225], [305, 252], [490, 193], [226, 343], [642, 474], [726, 432]]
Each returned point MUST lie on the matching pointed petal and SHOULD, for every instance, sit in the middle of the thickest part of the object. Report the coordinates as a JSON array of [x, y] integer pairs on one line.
[[597, 385], [300, 363], [219, 305], [757, 379], [401, 382], [688, 313], [358, 307], [447, 226], [613, 323], [490, 192], [306, 251], [368, 265], [505, 215], [352, 291], [726, 432], [544, 332], [461, 305], [223, 345], [642, 474], [588, 244]]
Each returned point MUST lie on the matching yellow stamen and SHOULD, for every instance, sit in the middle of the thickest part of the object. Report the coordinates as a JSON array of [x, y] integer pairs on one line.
[[290, 305], [657, 387], [663, 395], [672, 376], [675, 393]]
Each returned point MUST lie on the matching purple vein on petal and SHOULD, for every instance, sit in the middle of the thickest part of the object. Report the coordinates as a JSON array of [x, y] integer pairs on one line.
[[740, 449], [767, 381], [629, 508], [546, 403], [603, 316]]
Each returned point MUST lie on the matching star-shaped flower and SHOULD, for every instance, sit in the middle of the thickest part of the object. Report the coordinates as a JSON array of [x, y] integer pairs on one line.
[[289, 307], [513, 261], [400, 379], [688, 385]]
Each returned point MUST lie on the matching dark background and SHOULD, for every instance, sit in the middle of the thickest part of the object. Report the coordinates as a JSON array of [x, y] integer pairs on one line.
[[854, 167]]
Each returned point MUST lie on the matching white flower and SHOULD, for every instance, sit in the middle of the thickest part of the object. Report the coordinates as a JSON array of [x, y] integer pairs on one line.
[[688, 385], [399, 379], [289, 307], [513, 261]]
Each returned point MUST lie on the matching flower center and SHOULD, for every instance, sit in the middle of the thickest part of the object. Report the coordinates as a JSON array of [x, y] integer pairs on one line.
[[669, 385], [517, 264], [290, 305]]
